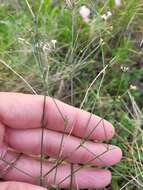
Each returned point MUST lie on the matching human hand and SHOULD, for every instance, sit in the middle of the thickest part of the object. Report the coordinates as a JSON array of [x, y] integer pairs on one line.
[[69, 134]]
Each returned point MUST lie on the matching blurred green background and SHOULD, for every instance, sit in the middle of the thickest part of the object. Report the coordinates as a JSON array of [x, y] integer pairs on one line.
[[98, 66]]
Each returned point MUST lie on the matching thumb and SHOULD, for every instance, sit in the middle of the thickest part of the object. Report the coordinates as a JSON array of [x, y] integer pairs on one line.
[[2, 130], [18, 186]]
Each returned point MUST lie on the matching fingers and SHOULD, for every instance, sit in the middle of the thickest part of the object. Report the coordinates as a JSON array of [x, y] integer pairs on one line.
[[19, 186], [25, 111], [71, 148], [27, 169]]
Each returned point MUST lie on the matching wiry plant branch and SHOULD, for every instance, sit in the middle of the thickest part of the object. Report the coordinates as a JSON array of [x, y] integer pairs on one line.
[[30, 9], [92, 83], [42, 141], [71, 180], [83, 140], [12, 165], [10, 68], [9, 166], [88, 162]]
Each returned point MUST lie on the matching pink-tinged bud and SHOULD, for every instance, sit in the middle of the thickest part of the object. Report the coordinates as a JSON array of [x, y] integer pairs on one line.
[[85, 13], [118, 3]]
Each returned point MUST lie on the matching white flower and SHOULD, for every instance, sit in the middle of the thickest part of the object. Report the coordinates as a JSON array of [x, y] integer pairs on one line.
[[101, 41], [124, 69], [54, 43], [85, 13], [133, 87], [106, 15], [46, 48], [118, 3]]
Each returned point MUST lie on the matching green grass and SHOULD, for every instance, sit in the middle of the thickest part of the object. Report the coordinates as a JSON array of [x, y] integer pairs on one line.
[[84, 69]]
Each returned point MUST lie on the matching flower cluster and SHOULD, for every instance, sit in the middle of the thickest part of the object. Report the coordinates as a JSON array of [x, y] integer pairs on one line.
[[85, 12], [124, 68], [46, 46]]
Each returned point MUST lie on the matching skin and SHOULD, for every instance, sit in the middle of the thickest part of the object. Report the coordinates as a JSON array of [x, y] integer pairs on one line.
[[20, 130]]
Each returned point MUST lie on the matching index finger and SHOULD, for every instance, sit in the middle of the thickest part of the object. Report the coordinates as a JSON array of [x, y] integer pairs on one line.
[[23, 111]]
